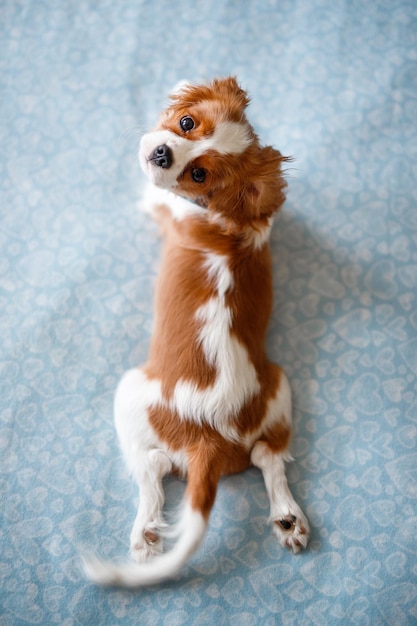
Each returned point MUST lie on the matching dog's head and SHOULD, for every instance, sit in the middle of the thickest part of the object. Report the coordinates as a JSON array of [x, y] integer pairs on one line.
[[204, 149]]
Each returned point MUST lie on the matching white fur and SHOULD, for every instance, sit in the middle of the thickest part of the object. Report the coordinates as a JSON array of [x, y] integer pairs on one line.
[[260, 237], [180, 208], [154, 465], [134, 396], [218, 270], [228, 138]]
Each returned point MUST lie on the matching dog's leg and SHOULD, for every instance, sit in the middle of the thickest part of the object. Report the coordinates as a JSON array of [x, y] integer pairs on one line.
[[145, 538], [269, 454], [145, 460], [289, 522]]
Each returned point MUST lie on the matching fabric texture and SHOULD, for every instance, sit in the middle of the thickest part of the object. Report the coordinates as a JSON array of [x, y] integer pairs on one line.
[[333, 84]]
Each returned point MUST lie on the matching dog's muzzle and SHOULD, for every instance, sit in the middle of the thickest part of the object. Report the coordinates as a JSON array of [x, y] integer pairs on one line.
[[162, 156]]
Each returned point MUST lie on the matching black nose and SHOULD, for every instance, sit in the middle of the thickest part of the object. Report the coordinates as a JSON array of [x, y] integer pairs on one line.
[[162, 156]]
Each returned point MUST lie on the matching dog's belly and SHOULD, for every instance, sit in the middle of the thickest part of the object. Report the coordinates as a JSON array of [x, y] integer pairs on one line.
[[145, 421]]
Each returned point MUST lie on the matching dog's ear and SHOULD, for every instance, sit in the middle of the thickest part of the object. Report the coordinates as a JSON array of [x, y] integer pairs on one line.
[[178, 89], [265, 186], [229, 88], [232, 98]]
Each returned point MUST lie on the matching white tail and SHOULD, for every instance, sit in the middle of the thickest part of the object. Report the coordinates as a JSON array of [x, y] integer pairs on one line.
[[192, 527]]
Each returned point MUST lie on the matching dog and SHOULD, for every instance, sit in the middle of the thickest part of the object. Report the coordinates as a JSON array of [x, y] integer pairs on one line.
[[208, 402]]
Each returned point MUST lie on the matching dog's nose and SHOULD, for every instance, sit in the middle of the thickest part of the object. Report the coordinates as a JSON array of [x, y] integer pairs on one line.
[[162, 156]]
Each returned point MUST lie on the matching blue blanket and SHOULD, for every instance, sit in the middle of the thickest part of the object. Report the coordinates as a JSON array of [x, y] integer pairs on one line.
[[334, 84]]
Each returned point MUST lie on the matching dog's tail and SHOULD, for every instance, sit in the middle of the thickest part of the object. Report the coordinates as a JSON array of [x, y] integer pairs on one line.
[[199, 499], [193, 526]]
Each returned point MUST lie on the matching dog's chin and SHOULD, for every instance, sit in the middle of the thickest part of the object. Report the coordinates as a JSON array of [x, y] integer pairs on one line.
[[155, 175]]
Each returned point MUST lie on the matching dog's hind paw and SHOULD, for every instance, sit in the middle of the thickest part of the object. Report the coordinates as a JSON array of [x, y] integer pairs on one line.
[[292, 532], [147, 546]]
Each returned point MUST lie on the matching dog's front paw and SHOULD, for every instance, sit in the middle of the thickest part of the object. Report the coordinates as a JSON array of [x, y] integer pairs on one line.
[[146, 546], [292, 531]]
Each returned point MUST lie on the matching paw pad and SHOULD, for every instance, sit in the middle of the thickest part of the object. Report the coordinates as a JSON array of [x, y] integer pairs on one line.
[[150, 536], [287, 524]]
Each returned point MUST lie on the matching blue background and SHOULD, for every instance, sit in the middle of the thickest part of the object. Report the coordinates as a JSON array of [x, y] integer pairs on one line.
[[334, 84]]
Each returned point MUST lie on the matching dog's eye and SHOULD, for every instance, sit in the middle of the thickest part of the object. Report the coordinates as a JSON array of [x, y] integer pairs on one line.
[[198, 174], [186, 123]]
